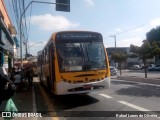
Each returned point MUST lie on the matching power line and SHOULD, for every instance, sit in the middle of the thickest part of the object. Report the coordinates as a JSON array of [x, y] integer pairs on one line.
[[29, 26], [128, 30], [131, 29], [25, 21], [14, 5], [12, 14]]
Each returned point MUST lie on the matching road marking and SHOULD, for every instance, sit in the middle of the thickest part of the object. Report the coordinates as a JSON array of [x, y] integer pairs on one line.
[[34, 102], [133, 106], [150, 84], [49, 103], [107, 96]]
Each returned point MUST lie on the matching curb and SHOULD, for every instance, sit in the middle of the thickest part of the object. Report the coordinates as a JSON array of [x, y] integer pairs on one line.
[[138, 79]]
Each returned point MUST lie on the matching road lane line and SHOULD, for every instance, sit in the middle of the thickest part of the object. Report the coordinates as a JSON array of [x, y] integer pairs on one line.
[[129, 81], [139, 108], [34, 102], [133, 106], [107, 96], [49, 103]]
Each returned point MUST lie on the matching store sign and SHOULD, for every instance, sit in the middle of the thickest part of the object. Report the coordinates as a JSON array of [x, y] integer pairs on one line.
[[5, 65]]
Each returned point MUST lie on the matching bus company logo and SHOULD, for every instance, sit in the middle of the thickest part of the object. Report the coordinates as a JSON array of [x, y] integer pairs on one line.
[[6, 114]]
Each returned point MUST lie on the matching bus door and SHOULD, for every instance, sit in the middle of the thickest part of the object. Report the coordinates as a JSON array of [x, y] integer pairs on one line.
[[40, 65], [51, 66]]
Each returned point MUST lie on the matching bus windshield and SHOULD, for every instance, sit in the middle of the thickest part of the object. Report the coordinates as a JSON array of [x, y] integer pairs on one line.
[[81, 56]]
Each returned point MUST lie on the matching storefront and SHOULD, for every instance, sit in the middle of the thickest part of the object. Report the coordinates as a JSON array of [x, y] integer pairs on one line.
[[7, 46]]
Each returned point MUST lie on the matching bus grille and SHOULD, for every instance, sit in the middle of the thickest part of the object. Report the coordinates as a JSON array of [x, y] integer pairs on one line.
[[82, 81], [83, 89]]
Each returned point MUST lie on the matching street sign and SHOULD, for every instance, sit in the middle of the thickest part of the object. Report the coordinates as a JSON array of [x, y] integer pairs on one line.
[[63, 5]]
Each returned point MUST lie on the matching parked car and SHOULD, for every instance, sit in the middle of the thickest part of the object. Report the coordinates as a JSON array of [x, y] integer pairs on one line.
[[113, 70], [151, 67], [157, 68], [136, 67]]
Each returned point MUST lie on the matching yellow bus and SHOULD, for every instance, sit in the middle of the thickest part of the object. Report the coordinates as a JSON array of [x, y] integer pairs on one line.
[[74, 62]]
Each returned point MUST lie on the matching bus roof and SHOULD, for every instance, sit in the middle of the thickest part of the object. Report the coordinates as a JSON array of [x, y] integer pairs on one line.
[[55, 33]]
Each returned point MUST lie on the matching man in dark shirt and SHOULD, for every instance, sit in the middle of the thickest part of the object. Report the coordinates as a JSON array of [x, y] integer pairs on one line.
[[2, 81]]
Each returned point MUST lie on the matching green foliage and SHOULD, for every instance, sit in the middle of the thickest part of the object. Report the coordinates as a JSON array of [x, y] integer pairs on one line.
[[144, 52], [155, 48], [153, 35], [133, 56], [134, 49], [119, 56]]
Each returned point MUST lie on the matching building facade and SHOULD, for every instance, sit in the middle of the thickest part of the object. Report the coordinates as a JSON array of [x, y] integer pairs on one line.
[[128, 64], [8, 41]]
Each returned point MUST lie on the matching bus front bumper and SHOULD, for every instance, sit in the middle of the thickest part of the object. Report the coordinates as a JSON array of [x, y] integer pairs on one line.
[[64, 88]]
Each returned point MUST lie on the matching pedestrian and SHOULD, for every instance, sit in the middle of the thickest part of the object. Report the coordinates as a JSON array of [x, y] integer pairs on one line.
[[17, 80], [7, 87], [13, 70], [2, 81], [29, 75]]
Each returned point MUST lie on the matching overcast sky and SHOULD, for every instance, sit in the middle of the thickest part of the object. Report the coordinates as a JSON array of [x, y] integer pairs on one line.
[[129, 20]]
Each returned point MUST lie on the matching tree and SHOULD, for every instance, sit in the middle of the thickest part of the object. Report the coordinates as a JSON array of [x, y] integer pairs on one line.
[[153, 35], [144, 52], [119, 57]]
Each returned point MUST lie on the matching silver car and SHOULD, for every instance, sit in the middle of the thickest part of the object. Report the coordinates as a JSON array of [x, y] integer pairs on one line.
[[113, 70]]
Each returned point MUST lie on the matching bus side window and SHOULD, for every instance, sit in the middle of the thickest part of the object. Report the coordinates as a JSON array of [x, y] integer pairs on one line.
[[47, 54], [43, 57]]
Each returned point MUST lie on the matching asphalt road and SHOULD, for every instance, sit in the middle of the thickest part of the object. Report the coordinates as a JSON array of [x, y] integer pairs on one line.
[[123, 101], [140, 73]]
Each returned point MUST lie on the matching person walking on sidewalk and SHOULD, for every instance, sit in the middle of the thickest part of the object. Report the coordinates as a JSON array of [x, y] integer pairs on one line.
[[7, 87], [29, 75], [3, 81], [17, 80]]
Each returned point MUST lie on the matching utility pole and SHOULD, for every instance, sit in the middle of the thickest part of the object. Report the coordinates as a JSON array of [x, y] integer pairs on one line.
[[60, 6], [115, 46]]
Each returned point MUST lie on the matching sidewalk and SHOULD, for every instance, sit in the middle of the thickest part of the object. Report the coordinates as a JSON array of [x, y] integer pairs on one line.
[[29, 101], [139, 76], [23, 100]]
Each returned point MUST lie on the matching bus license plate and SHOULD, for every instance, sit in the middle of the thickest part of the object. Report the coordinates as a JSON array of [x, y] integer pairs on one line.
[[87, 86]]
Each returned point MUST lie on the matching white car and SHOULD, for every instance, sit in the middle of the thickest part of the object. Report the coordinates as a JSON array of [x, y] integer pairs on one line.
[[136, 67], [157, 68], [113, 70], [151, 67]]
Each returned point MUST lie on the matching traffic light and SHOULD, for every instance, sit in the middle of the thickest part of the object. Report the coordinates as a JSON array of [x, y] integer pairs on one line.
[[63, 5]]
